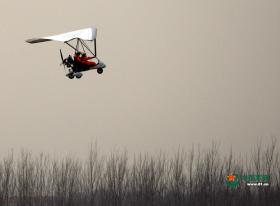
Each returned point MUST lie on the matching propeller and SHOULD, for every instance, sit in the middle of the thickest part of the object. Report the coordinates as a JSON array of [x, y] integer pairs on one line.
[[62, 59]]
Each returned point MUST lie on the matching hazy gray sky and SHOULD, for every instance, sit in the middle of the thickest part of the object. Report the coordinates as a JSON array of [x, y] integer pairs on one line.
[[178, 72]]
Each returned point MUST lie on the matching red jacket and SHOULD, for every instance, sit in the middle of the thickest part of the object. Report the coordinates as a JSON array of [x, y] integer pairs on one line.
[[84, 60]]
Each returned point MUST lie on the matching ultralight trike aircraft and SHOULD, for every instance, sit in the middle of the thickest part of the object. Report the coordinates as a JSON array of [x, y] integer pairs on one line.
[[80, 62]]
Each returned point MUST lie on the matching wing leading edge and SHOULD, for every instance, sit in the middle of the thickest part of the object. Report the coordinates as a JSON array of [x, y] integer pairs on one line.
[[88, 34]]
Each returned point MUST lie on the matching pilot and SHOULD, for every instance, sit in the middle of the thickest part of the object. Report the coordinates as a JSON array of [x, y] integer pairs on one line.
[[77, 56]]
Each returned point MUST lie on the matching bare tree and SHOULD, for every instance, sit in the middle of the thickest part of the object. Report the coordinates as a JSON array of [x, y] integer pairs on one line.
[[92, 175], [8, 178], [194, 178], [116, 173]]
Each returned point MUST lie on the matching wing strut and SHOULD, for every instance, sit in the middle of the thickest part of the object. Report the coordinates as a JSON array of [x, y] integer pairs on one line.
[[70, 46], [83, 43]]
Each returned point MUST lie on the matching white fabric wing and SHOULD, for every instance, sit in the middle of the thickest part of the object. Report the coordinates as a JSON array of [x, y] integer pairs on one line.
[[88, 34]]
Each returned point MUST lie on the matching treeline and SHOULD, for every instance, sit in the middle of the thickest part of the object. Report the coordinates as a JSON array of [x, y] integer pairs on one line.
[[196, 177]]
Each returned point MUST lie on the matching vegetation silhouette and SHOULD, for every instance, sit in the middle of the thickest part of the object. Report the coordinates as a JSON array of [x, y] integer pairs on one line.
[[196, 177]]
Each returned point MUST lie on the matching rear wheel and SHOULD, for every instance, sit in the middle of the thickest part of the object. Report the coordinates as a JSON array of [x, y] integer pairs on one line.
[[78, 75], [99, 71]]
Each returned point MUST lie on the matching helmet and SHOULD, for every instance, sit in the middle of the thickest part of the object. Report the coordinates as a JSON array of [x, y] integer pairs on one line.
[[84, 55]]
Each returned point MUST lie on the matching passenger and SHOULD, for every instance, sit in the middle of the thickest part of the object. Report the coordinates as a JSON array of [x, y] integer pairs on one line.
[[82, 60], [85, 60]]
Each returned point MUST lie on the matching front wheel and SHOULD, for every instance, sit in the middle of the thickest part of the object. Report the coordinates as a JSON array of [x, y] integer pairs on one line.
[[71, 76], [99, 71]]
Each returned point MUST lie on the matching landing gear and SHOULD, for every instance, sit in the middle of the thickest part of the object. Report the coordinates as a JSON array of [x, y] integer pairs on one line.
[[100, 71], [71, 76], [78, 75]]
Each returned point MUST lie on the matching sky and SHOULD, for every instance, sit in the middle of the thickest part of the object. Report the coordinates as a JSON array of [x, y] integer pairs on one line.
[[179, 73]]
